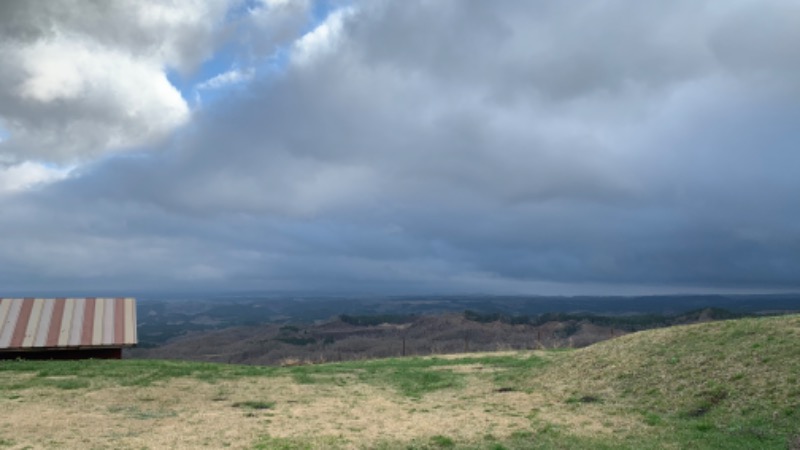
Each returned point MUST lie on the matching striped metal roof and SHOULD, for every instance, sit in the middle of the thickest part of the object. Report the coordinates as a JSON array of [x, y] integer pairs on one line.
[[34, 323]]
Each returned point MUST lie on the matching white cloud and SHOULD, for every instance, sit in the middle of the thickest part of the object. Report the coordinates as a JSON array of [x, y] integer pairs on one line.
[[282, 3], [28, 175], [83, 79], [322, 39], [115, 101], [275, 23], [231, 77]]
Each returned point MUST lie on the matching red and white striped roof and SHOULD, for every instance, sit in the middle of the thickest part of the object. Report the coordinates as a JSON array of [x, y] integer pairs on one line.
[[42, 323]]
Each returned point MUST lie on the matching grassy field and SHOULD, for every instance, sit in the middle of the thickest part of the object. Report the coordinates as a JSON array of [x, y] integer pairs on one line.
[[723, 385]]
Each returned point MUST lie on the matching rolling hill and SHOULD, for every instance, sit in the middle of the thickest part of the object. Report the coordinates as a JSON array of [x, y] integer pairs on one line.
[[731, 384]]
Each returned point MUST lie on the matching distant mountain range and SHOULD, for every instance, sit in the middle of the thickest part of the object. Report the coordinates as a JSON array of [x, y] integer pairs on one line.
[[260, 330]]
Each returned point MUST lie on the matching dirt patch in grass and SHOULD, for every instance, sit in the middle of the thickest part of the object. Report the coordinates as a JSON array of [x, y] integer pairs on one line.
[[183, 414], [174, 415], [368, 413], [346, 413]]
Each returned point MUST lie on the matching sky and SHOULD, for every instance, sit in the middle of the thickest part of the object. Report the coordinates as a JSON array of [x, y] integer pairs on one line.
[[400, 146]]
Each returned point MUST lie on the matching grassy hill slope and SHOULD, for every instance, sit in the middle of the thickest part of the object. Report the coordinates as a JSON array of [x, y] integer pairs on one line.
[[717, 385], [731, 384]]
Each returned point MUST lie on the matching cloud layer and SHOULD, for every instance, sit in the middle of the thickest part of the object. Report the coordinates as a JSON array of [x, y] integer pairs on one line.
[[403, 146]]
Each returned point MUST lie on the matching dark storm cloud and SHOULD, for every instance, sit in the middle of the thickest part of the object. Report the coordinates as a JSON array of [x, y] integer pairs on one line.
[[509, 146]]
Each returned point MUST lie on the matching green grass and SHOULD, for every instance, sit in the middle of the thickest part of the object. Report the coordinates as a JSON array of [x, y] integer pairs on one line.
[[278, 443], [546, 439], [716, 385], [412, 377], [722, 385], [97, 374], [440, 441], [416, 376]]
